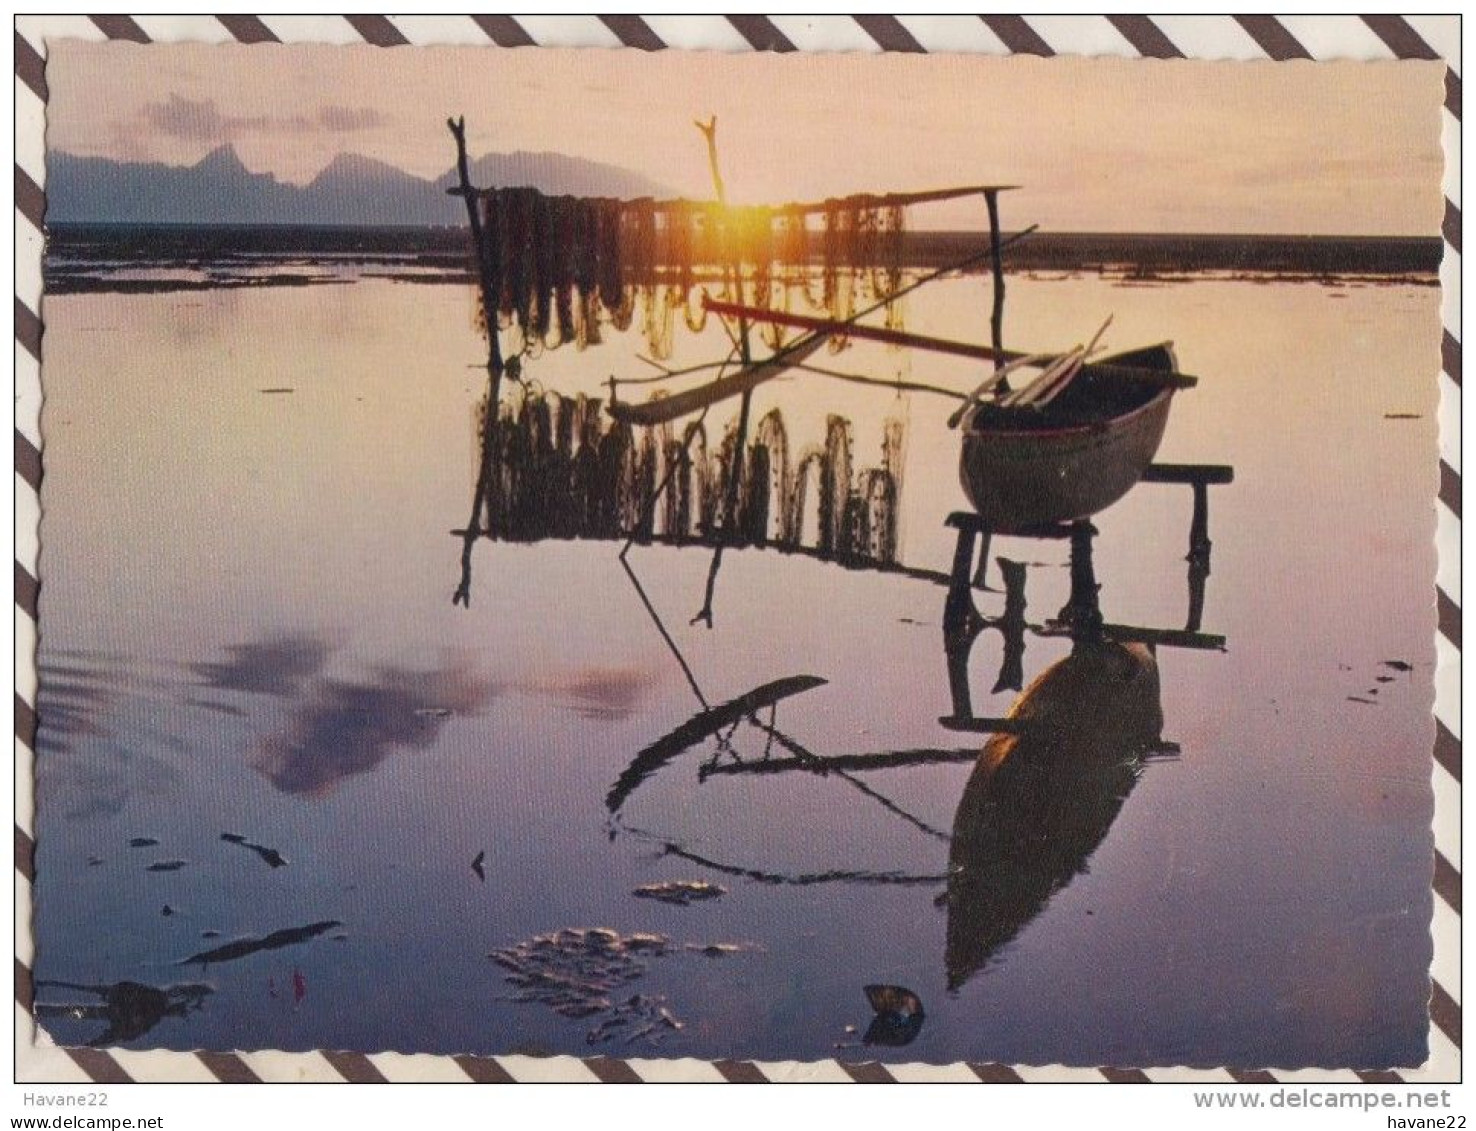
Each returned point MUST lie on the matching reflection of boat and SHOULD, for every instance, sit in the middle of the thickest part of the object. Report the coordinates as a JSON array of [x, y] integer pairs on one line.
[[1041, 799], [1023, 468]]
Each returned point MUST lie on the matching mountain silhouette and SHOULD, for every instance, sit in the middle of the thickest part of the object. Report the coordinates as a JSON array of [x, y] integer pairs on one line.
[[352, 190]]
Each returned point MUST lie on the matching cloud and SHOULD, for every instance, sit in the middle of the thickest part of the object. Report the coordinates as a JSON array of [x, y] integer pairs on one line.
[[202, 120]]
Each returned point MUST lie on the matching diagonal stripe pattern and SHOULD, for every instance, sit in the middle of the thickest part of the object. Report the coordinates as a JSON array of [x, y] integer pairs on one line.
[[1015, 34]]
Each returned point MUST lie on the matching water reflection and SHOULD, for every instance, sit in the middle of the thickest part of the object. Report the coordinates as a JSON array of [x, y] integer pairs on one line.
[[127, 1010]]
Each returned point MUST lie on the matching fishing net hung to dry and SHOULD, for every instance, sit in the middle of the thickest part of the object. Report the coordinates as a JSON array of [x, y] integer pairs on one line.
[[563, 266]]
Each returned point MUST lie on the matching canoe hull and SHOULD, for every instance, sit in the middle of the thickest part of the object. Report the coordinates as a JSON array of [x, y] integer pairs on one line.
[[1017, 480]]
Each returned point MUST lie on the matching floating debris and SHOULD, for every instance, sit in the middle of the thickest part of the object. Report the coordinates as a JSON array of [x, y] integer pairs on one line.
[[1402, 416], [680, 893], [577, 972], [210, 934], [283, 389], [166, 866], [94, 861], [129, 1009], [168, 911], [477, 867], [434, 712], [142, 842], [899, 1015], [274, 941], [1361, 699], [270, 855], [1399, 665]]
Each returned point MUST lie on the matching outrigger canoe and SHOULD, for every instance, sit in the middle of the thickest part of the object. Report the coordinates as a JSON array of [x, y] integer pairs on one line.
[[1024, 468]]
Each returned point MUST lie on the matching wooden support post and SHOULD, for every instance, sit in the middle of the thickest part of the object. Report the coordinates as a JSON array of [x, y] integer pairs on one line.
[[996, 260], [1082, 613], [958, 608], [490, 285]]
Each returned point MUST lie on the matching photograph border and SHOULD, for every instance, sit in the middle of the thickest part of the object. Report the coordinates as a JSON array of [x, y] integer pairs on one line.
[[1287, 39]]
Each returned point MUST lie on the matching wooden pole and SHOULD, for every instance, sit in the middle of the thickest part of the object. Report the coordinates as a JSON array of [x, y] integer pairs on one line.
[[489, 288], [996, 262]]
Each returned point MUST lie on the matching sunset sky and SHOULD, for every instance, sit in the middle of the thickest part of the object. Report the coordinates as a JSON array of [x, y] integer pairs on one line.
[[1103, 145]]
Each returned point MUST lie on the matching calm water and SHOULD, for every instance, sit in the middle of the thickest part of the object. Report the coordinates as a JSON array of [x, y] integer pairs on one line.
[[248, 631]]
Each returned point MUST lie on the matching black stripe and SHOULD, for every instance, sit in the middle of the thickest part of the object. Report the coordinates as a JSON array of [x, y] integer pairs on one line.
[[1450, 227], [378, 31], [889, 33], [632, 31], [996, 1073], [248, 29], [1251, 1076], [1448, 614], [761, 33], [27, 328], [31, 68], [25, 722], [1379, 1076], [869, 1073], [27, 590], [1400, 38], [1450, 356], [484, 1070], [25, 854], [1124, 1076], [27, 460], [740, 1072], [1447, 883], [1445, 1013], [121, 27], [611, 1071], [504, 31], [25, 986], [1450, 488], [1146, 37], [1453, 93], [1017, 35], [100, 1067], [354, 1067], [1273, 38], [1447, 750], [29, 198], [227, 1067]]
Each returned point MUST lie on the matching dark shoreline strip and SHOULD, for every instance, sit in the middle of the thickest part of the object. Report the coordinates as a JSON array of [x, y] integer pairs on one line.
[[30, 201], [1018, 36], [1450, 488], [27, 591], [608, 1070], [484, 1070], [1447, 750], [1272, 37], [632, 31], [1447, 882], [740, 1072], [248, 29], [121, 27], [354, 1067], [994, 1073], [1399, 37], [228, 1068], [761, 33], [869, 1073], [504, 31], [889, 33], [378, 30], [30, 68], [1145, 37]]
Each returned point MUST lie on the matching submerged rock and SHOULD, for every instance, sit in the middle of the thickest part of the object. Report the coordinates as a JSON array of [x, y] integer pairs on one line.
[[680, 893]]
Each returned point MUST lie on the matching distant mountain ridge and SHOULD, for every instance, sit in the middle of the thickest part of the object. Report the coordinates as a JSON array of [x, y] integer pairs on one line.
[[352, 190]]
